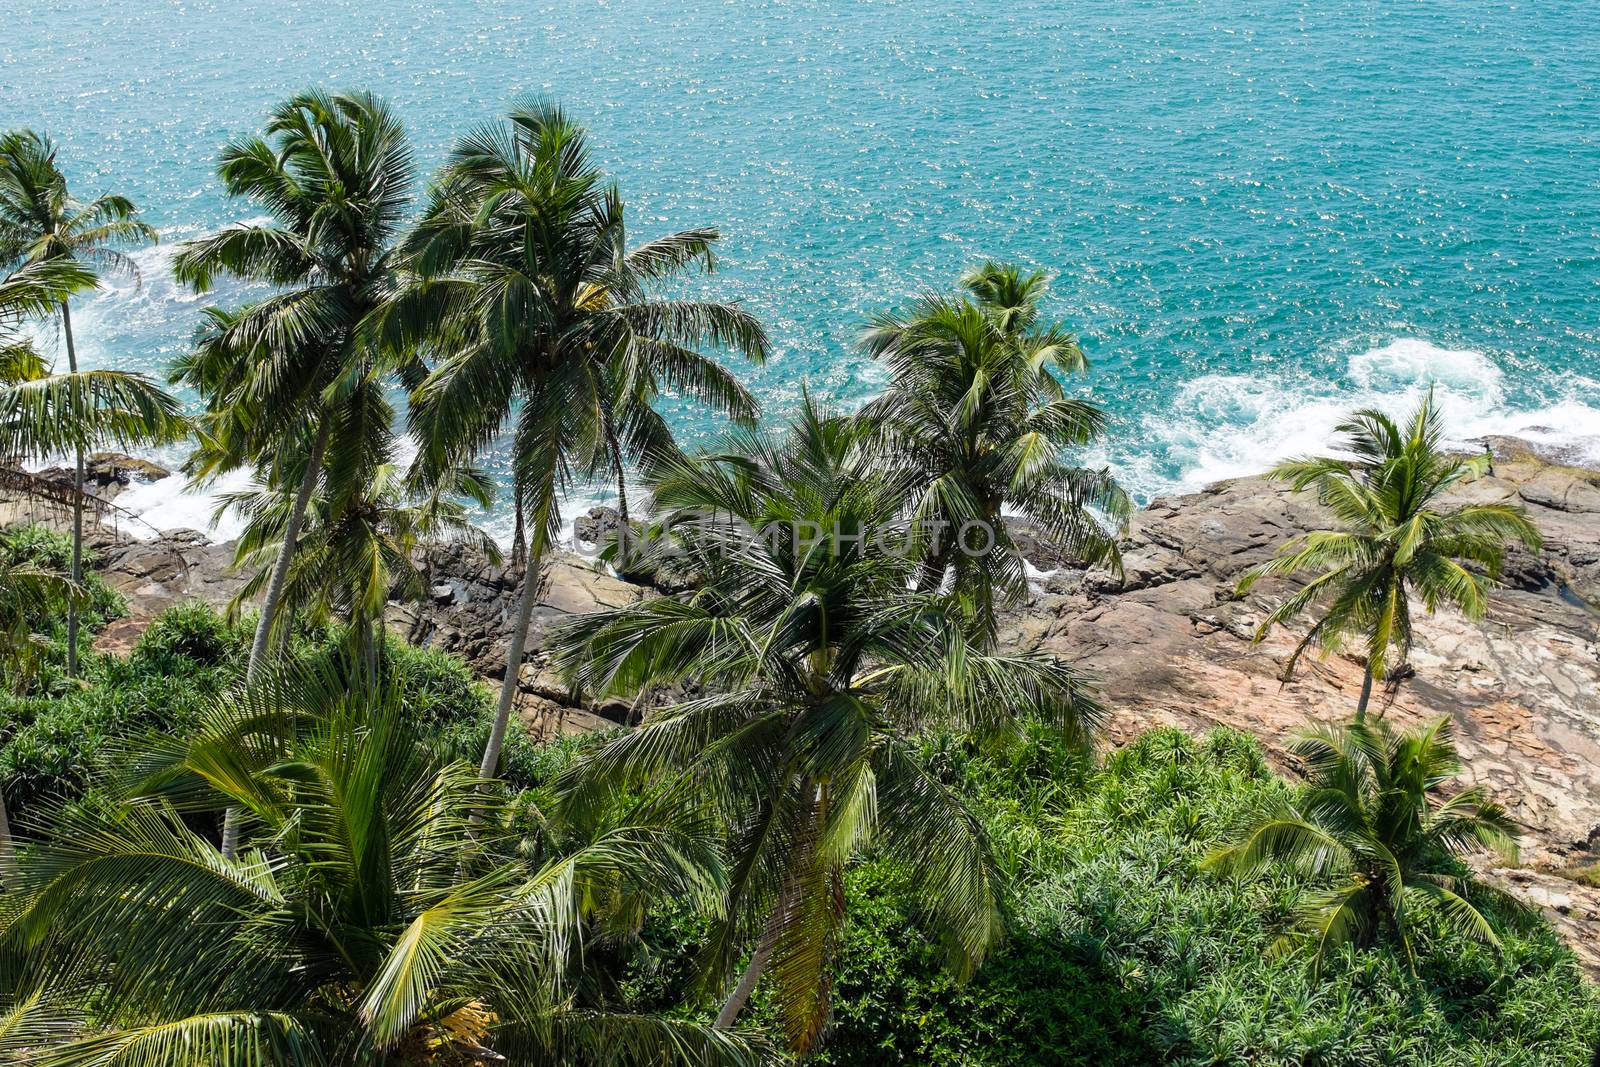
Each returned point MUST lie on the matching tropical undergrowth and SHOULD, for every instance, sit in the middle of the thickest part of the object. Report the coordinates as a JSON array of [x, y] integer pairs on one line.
[[55, 740], [1123, 951]]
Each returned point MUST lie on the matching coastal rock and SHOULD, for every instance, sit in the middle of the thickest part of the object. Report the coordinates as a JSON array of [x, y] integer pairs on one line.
[[1174, 643], [597, 526], [105, 474]]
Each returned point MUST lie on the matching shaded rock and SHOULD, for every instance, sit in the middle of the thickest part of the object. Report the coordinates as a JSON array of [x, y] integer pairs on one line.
[[105, 474], [596, 528]]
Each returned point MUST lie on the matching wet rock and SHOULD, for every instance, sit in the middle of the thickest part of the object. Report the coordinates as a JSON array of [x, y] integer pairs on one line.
[[597, 528], [105, 474]]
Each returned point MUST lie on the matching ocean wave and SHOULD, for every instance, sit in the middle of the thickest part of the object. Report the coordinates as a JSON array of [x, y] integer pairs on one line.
[[1218, 426], [1224, 426]]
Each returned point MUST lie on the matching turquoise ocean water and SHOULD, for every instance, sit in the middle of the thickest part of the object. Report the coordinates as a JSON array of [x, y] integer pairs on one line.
[[1261, 213]]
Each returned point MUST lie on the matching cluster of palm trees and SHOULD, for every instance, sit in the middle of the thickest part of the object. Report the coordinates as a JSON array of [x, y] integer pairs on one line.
[[374, 901], [513, 308]]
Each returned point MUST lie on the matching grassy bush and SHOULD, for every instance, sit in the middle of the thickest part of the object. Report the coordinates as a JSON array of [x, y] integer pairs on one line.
[[41, 546], [1122, 952], [50, 743]]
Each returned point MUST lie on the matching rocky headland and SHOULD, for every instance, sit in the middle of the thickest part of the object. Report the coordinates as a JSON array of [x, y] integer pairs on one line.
[[1170, 643]]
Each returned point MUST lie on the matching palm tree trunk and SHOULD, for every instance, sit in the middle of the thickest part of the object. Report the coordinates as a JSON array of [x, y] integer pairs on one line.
[[1366, 694], [769, 940], [280, 568], [269, 606], [7, 852], [624, 527], [747, 981], [519, 540], [77, 501], [374, 638], [508, 688], [615, 446]]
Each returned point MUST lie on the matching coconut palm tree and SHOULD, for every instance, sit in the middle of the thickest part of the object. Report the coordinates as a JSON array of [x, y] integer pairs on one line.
[[1371, 817], [547, 322], [357, 555], [819, 662], [290, 381], [31, 291], [1399, 540], [392, 913], [41, 221], [976, 409]]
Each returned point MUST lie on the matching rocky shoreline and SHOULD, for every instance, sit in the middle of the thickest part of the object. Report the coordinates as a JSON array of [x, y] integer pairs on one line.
[[1171, 644]]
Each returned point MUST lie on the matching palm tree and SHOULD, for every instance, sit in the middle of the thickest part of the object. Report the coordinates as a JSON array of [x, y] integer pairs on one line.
[[1371, 817], [977, 410], [546, 321], [392, 913], [357, 555], [41, 221], [290, 381], [1398, 541], [32, 290], [819, 662]]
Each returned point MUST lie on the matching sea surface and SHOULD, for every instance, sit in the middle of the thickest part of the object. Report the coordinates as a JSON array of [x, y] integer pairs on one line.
[[1260, 214]]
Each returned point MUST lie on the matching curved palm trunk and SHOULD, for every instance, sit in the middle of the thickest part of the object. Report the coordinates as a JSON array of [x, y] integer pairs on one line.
[[624, 527], [752, 974], [269, 606], [77, 501], [508, 687], [519, 540], [759, 959], [280, 568], [7, 851], [613, 443], [1366, 694], [374, 650], [764, 948]]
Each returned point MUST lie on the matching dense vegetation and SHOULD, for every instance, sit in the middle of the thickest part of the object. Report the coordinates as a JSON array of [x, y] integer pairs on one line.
[[1120, 948], [850, 829]]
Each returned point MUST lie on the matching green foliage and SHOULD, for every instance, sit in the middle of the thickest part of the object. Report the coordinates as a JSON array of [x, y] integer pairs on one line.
[[42, 547], [977, 418], [382, 915], [50, 744], [820, 663], [1123, 952], [189, 639], [1373, 817]]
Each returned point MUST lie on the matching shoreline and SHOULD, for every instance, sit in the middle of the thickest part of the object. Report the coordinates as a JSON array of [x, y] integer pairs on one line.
[[1172, 645]]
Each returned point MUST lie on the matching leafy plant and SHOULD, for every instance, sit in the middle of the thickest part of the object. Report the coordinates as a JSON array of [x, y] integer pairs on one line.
[[386, 915], [1372, 817]]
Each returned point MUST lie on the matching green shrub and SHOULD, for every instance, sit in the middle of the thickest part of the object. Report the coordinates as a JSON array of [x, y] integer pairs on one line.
[[1122, 952], [43, 547], [190, 639]]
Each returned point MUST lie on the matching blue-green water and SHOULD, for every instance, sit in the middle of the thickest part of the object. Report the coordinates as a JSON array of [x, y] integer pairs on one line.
[[1261, 212]]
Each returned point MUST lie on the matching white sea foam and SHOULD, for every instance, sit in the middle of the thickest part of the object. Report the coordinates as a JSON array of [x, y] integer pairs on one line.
[[169, 505], [1218, 427], [1227, 426]]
